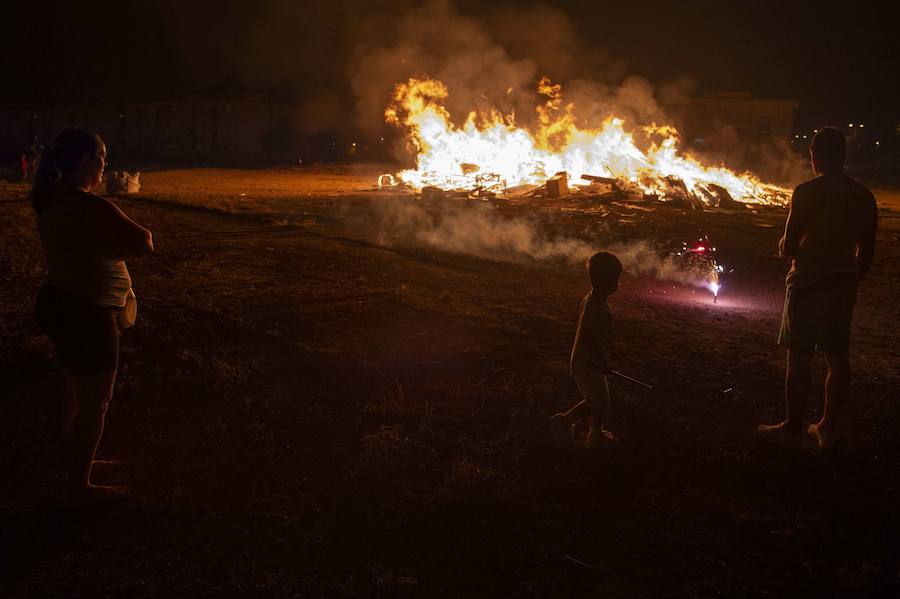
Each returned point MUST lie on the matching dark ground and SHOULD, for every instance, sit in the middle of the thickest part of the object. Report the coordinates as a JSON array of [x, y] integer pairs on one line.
[[302, 412]]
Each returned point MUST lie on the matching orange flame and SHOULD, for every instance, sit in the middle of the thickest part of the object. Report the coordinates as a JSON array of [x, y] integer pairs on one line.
[[454, 157]]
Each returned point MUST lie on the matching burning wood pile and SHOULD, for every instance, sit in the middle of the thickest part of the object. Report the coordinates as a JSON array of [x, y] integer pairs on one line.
[[600, 189], [491, 156]]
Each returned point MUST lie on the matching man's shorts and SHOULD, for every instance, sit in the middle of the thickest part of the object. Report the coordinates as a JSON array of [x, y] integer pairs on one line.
[[818, 317], [86, 336], [594, 388]]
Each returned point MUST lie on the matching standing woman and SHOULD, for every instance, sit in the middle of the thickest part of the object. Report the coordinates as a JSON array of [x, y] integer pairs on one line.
[[85, 239]]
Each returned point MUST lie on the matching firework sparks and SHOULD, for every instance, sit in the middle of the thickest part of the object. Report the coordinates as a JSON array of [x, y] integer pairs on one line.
[[698, 258]]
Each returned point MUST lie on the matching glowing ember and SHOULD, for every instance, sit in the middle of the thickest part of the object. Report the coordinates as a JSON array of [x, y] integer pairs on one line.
[[492, 147], [386, 180]]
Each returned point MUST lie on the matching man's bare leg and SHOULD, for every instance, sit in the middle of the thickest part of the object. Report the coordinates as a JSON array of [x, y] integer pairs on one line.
[[837, 390], [796, 389]]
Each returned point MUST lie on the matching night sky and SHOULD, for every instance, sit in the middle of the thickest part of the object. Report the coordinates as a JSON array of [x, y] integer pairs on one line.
[[841, 60]]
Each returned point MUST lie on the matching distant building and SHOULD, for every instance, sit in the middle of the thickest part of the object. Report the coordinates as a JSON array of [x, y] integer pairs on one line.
[[241, 128], [748, 118]]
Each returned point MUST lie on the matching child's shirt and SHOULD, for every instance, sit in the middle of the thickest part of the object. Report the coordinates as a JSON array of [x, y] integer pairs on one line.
[[592, 338]]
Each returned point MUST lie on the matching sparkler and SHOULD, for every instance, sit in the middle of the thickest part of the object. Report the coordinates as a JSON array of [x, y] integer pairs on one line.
[[702, 262]]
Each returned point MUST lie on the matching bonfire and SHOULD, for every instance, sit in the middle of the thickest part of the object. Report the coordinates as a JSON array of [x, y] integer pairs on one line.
[[491, 154]]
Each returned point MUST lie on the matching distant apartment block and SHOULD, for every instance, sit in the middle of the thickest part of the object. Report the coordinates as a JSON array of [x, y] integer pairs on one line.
[[233, 128], [748, 117]]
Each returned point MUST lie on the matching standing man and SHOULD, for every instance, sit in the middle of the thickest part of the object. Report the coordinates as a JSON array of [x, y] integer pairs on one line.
[[830, 238]]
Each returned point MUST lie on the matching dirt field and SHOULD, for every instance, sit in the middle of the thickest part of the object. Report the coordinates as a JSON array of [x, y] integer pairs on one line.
[[315, 403]]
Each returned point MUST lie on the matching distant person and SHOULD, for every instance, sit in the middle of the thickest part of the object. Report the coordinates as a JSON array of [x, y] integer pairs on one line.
[[589, 362], [87, 293], [23, 165], [34, 157], [830, 238]]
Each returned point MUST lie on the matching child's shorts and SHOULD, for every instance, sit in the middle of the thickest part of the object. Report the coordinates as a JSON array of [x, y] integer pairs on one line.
[[818, 317], [593, 386]]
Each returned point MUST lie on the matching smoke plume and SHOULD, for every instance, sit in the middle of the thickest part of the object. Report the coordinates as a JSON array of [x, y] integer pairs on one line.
[[480, 230], [494, 62], [773, 160]]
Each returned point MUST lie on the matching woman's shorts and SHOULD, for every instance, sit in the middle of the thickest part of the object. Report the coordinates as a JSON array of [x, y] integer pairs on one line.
[[818, 317], [86, 336]]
